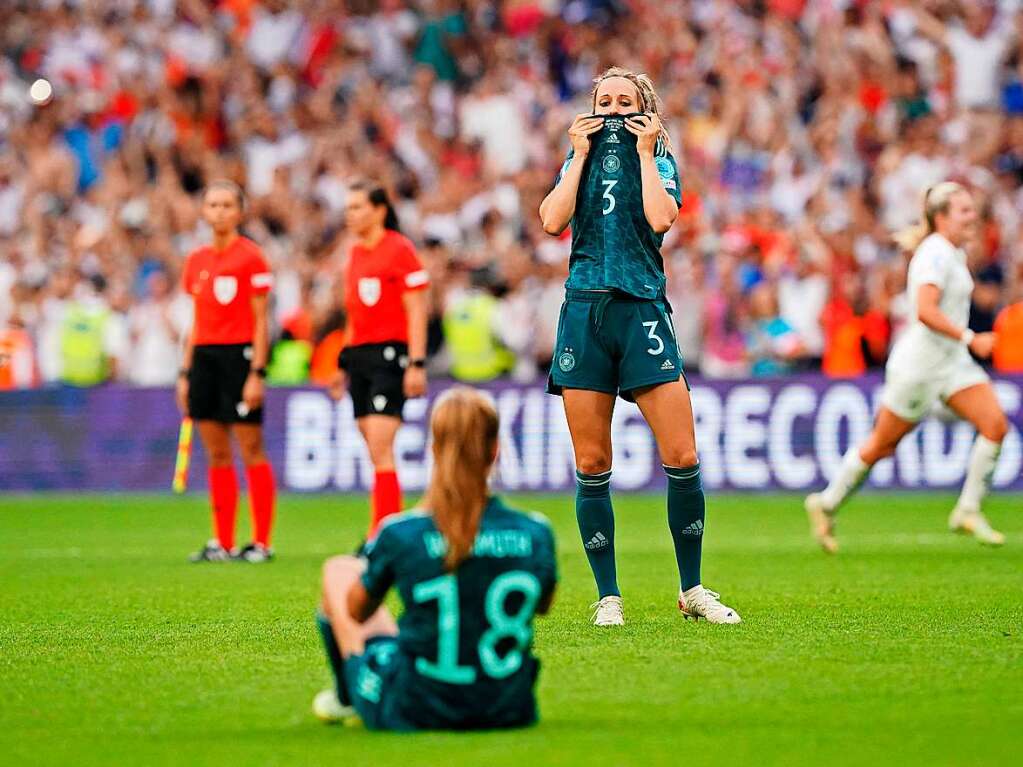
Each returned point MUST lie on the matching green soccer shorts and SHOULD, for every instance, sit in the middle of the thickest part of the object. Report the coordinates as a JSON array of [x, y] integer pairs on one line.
[[612, 342]]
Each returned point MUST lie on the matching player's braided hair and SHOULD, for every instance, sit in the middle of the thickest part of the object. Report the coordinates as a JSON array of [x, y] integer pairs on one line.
[[649, 101], [936, 200]]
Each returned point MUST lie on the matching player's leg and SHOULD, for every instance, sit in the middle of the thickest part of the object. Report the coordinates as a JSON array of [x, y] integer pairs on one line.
[[888, 431], [589, 422], [223, 488], [343, 637], [379, 432], [262, 490], [979, 405], [669, 411]]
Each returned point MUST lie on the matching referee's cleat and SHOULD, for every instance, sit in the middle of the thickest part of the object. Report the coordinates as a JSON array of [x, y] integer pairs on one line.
[[211, 552], [255, 553]]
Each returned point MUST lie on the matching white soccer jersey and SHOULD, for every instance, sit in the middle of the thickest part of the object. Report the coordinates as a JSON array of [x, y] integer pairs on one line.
[[935, 262], [925, 365]]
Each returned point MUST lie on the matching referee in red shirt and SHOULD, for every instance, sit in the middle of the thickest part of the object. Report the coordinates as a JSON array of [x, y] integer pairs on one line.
[[384, 358], [221, 380]]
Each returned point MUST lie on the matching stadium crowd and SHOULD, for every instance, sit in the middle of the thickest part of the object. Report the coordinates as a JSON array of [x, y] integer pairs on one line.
[[805, 131]]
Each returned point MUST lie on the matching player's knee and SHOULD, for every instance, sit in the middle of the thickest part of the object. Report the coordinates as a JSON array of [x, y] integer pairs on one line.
[[253, 455], [339, 568], [680, 457], [219, 455], [593, 463], [995, 429]]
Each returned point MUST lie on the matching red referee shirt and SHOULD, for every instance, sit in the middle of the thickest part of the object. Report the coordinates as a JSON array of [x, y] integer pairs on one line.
[[222, 282], [374, 282]]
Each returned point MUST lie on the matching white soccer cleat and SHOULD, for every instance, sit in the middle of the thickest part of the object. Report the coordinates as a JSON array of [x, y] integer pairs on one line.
[[974, 523], [822, 522], [699, 602], [327, 708], [608, 612]]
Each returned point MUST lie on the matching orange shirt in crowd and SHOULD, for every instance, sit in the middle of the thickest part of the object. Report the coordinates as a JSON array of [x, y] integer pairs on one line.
[[1008, 353], [17, 360], [843, 336], [323, 366]]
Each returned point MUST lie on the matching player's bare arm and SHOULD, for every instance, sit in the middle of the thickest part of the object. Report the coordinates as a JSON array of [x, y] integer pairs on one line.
[[659, 206], [414, 382], [558, 207], [252, 393], [930, 314]]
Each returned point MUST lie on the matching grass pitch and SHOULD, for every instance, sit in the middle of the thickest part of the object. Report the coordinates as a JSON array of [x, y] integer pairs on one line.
[[905, 648]]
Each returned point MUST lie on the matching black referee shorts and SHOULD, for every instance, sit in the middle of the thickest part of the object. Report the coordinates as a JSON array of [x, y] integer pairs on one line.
[[376, 374], [215, 383]]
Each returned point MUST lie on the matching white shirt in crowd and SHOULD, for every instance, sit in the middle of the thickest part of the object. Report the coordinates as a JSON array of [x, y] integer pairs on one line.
[[157, 330], [978, 61]]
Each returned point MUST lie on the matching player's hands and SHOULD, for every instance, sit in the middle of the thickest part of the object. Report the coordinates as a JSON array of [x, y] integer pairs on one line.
[[338, 384], [582, 127], [646, 128], [414, 383], [983, 344], [252, 392], [181, 395]]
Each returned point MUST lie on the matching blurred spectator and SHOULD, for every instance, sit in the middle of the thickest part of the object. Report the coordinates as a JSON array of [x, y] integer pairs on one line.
[[805, 134], [17, 358], [773, 344], [157, 327]]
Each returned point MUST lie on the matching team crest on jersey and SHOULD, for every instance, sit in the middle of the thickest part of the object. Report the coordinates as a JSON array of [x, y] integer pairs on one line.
[[369, 290], [611, 164], [225, 288], [566, 361]]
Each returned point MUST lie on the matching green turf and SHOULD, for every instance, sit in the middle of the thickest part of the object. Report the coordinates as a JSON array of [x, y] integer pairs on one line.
[[906, 648]]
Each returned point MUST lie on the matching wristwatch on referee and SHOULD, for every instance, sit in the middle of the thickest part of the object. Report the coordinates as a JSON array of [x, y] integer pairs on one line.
[[418, 362], [261, 372], [967, 338]]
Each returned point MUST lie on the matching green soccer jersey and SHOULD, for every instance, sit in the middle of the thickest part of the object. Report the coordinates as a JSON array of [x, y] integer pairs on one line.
[[613, 246], [465, 637]]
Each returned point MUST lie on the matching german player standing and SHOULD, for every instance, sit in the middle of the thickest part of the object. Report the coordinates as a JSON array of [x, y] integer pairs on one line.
[[383, 362], [619, 189], [220, 384]]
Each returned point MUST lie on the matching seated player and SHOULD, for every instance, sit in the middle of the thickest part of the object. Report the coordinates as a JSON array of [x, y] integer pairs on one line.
[[471, 574]]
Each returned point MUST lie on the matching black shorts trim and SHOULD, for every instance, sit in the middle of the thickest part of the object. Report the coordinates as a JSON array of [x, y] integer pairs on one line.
[[376, 378], [215, 383]]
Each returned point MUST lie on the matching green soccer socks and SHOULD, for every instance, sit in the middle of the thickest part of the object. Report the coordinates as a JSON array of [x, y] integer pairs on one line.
[[597, 528], [686, 512]]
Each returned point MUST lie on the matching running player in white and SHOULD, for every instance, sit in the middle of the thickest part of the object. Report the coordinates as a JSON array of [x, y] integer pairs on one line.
[[931, 361]]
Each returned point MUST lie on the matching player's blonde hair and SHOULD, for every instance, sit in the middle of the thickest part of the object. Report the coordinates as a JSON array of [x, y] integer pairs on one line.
[[649, 101], [936, 200], [464, 427]]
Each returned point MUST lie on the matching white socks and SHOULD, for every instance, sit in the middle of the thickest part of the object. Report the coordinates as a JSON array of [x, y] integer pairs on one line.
[[850, 476], [983, 458]]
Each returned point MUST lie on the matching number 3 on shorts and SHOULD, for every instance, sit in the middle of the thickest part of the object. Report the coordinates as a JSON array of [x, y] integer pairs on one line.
[[651, 327]]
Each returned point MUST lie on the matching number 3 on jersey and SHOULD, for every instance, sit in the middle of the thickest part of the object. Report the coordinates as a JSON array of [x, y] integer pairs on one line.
[[501, 625], [609, 199]]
